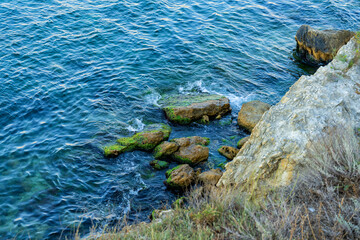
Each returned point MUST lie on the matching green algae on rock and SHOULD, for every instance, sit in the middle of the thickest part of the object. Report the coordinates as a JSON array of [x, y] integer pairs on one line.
[[242, 141], [165, 149], [146, 140], [159, 165], [192, 150], [180, 177], [184, 109]]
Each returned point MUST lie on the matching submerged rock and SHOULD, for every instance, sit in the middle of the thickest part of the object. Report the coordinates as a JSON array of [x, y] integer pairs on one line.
[[159, 165], [228, 152], [210, 177], [184, 109], [165, 149], [251, 113], [146, 140], [316, 47], [242, 141], [192, 150], [180, 177], [277, 149]]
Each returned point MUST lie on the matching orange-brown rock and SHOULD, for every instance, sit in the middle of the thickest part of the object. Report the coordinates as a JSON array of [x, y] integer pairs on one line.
[[242, 141], [210, 177], [228, 152], [192, 150], [251, 113], [180, 177], [316, 47]]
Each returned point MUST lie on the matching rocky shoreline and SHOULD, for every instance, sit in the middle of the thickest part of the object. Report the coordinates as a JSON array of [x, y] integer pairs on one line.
[[272, 155]]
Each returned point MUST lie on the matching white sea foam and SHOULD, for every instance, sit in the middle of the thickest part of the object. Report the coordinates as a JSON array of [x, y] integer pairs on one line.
[[135, 125], [152, 98]]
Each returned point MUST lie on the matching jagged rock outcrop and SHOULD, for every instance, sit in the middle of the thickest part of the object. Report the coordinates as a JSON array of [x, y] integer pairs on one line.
[[251, 113], [316, 47], [184, 109], [276, 150]]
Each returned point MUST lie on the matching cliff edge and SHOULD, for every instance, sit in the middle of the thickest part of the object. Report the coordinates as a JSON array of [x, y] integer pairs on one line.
[[276, 150]]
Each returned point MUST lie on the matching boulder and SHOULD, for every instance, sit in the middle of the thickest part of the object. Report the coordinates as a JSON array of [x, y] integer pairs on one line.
[[242, 141], [319, 47], [251, 113], [184, 109], [159, 165], [192, 150], [277, 150], [165, 149], [146, 140], [228, 152], [210, 177], [180, 177], [159, 215]]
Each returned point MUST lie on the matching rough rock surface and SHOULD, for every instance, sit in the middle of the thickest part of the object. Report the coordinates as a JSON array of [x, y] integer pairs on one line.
[[316, 47], [192, 150], [180, 177], [242, 141], [276, 150], [228, 152], [165, 149], [251, 113], [147, 140], [210, 177], [184, 109]]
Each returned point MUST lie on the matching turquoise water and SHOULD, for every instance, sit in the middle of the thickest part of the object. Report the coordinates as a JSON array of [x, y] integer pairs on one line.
[[76, 75]]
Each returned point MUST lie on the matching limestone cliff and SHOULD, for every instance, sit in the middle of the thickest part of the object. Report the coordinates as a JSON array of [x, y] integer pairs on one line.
[[277, 146]]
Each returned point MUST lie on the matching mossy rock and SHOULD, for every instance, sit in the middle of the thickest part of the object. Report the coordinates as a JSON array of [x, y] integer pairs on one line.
[[242, 141], [159, 165], [165, 149], [184, 109], [180, 177], [146, 140]]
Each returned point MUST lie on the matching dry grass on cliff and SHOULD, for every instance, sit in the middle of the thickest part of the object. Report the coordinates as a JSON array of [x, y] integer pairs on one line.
[[324, 203]]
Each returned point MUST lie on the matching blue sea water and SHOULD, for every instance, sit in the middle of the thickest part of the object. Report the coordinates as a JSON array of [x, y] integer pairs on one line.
[[75, 75]]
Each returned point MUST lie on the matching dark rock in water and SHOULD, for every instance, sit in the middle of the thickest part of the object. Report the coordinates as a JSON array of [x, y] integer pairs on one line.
[[159, 165], [180, 177], [192, 150], [184, 109], [210, 177], [165, 149], [242, 141], [251, 113], [146, 140], [228, 152], [319, 47]]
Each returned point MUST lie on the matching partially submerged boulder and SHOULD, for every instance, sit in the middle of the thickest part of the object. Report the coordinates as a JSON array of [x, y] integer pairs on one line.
[[242, 141], [228, 152], [159, 165], [165, 150], [191, 150], [184, 109], [180, 177], [146, 140], [251, 113], [210, 177], [319, 47]]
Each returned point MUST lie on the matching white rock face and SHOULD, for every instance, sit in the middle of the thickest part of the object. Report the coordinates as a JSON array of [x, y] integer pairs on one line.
[[277, 146]]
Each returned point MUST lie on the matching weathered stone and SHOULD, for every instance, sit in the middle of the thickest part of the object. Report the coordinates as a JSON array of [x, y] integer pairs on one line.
[[210, 177], [242, 141], [316, 47], [146, 140], [187, 141], [251, 113], [165, 149], [277, 149], [180, 177], [192, 154], [184, 109], [159, 165], [228, 152]]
